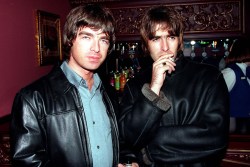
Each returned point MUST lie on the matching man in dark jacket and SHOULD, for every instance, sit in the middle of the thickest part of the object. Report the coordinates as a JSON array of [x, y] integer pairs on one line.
[[176, 114], [66, 118]]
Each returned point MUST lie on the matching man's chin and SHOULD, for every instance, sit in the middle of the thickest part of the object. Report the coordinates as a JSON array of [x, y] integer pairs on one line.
[[93, 68]]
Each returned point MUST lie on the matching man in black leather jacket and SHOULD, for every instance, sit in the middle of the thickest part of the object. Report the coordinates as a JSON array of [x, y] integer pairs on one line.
[[176, 114], [66, 118]]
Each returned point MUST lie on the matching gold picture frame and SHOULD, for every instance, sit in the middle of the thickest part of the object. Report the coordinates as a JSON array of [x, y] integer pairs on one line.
[[48, 38]]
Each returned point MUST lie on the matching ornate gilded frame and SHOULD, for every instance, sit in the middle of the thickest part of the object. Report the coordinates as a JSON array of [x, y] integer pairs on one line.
[[48, 37]]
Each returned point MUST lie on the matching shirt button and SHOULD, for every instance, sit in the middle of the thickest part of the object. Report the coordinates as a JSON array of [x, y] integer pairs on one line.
[[93, 122], [98, 147]]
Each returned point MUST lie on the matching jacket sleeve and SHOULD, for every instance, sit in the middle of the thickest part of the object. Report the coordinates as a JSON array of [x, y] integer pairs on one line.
[[27, 141], [143, 109], [203, 137]]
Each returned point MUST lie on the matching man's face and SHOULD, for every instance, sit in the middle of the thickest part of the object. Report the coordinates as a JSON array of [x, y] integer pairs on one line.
[[89, 49], [163, 44]]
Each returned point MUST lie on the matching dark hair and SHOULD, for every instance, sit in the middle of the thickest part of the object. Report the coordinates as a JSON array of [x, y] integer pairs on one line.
[[89, 15], [164, 16], [239, 52]]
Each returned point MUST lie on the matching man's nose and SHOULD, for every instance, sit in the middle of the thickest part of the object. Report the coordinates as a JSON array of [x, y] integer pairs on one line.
[[95, 46], [164, 46]]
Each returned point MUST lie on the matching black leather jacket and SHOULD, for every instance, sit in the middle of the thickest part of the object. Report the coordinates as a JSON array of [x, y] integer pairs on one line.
[[48, 127], [187, 126]]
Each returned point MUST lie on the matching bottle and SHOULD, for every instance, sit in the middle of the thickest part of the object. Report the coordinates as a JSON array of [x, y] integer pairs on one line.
[[122, 82], [126, 71], [117, 81], [131, 72], [128, 163], [112, 81]]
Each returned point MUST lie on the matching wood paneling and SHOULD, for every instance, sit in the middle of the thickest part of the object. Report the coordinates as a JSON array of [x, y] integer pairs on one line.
[[202, 19]]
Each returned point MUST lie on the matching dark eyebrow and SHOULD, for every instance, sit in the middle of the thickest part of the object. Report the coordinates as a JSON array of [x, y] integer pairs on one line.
[[85, 33], [105, 37], [90, 34], [157, 36], [153, 37]]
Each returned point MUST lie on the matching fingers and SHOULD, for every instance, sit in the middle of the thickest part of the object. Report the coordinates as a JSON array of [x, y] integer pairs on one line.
[[168, 66], [160, 67], [135, 164], [164, 64]]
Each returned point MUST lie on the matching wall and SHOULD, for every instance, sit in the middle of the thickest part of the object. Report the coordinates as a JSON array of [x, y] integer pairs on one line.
[[18, 56]]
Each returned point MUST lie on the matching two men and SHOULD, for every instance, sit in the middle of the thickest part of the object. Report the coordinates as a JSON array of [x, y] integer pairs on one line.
[[176, 114]]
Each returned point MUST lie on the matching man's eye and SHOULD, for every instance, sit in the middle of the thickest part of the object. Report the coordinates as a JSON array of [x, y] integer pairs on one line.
[[172, 37], [154, 39], [105, 41], [85, 37]]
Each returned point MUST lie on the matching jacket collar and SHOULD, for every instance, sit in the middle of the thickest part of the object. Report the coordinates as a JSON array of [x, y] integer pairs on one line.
[[58, 80]]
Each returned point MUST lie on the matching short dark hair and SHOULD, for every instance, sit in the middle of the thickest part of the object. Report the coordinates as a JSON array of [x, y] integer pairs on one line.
[[164, 16], [89, 15], [239, 52]]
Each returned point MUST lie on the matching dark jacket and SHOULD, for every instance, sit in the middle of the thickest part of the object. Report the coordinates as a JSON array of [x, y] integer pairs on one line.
[[187, 126], [48, 127]]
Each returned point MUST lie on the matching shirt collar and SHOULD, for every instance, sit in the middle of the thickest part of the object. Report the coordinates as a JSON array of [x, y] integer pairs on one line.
[[242, 65], [76, 79]]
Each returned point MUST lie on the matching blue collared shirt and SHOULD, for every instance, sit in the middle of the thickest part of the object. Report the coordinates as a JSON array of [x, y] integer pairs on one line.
[[98, 123]]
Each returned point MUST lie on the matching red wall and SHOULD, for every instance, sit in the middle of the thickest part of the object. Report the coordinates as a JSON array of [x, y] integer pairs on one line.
[[18, 56]]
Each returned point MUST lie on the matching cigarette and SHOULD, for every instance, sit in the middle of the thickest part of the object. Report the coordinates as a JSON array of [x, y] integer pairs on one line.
[[172, 59]]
